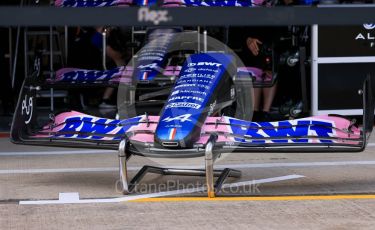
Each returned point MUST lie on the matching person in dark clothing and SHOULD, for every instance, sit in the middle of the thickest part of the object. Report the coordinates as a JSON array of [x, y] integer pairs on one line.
[[257, 38], [5, 80], [119, 53]]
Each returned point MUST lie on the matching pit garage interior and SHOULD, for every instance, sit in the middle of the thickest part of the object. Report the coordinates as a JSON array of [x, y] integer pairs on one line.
[[79, 188]]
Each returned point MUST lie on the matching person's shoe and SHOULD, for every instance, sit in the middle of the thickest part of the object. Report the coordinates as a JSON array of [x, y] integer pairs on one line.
[[106, 105], [266, 117], [257, 116]]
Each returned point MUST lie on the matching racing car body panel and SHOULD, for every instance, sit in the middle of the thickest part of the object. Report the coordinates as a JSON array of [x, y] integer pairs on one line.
[[165, 3], [193, 98], [189, 117], [92, 3], [124, 73], [74, 129], [232, 3], [323, 130]]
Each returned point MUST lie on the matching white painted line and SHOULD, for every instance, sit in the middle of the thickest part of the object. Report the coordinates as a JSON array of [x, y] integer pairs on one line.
[[69, 197], [234, 166], [62, 170], [159, 194], [262, 181], [299, 164], [44, 153]]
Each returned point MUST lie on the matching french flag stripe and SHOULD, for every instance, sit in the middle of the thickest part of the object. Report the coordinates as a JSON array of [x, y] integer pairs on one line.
[[172, 133], [144, 76]]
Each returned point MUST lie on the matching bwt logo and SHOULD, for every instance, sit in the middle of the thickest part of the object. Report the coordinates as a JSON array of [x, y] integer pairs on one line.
[[193, 64], [155, 16], [369, 26]]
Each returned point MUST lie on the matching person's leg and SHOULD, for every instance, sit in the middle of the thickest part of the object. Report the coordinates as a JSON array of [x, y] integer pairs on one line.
[[116, 56], [268, 96], [257, 98], [108, 92], [256, 104]]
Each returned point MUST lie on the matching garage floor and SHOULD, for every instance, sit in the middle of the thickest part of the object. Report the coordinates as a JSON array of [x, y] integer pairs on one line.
[[57, 188]]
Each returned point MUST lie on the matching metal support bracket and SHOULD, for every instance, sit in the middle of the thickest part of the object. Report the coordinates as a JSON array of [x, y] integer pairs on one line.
[[208, 172], [123, 158], [210, 158]]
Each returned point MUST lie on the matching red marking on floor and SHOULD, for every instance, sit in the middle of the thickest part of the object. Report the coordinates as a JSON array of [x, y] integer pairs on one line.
[[4, 135]]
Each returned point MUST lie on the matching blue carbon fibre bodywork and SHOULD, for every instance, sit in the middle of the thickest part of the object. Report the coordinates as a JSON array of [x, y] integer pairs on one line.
[[192, 99]]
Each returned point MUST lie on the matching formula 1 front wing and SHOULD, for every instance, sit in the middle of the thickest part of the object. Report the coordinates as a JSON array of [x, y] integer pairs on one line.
[[312, 134]]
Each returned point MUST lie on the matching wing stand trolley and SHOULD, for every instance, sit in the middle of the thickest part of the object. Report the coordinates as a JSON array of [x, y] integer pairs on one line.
[[210, 158], [209, 172], [123, 170]]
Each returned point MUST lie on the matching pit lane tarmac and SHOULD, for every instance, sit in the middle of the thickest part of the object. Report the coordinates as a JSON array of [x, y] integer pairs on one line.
[[77, 189]]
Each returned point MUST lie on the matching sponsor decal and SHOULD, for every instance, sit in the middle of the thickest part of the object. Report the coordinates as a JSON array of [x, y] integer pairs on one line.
[[151, 66], [182, 118], [282, 129], [183, 105], [97, 3], [95, 128], [37, 66], [369, 26], [192, 86], [368, 36], [188, 91], [190, 70], [189, 76], [217, 2], [90, 75], [186, 98], [189, 81], [215, 64], [154, 16], [27, 109]]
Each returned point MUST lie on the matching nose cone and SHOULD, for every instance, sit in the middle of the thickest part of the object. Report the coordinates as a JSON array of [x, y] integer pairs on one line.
[[192, 99]]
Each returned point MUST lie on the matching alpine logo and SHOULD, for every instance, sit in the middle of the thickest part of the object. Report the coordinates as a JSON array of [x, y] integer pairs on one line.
[[369, 26], [151, 66], [155, 16], [182, 118], [368, 35]]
